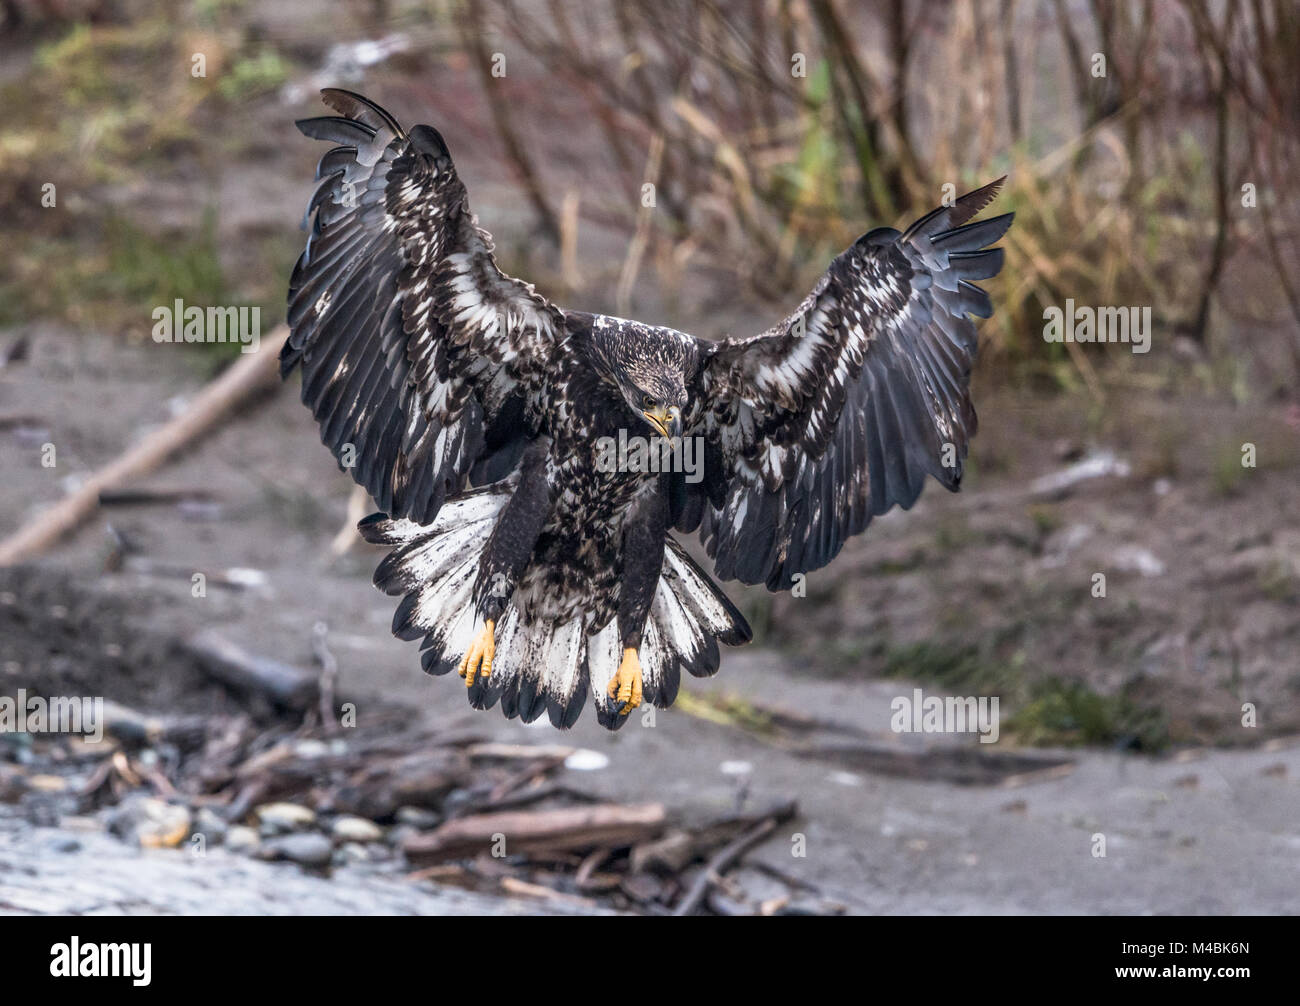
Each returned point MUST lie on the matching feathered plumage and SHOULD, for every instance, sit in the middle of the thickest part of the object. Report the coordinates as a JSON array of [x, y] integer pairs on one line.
[[471, 409]]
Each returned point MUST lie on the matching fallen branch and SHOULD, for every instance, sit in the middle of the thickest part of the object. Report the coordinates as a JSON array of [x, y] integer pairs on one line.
[[248, 375], [565, 829], [287, 685], [728, 854]]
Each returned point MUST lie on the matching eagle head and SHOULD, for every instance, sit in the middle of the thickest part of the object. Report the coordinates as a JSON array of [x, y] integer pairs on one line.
[[648, 365]]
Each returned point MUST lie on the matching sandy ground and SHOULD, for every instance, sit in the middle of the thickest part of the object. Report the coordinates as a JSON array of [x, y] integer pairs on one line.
[[1197, 831]]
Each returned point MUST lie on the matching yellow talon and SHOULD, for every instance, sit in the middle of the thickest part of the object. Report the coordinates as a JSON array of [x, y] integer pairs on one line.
[[625, 687], [479, 658]]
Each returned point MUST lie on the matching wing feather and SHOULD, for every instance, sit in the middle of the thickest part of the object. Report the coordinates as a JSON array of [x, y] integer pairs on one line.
[[840, 412], [421, 360]]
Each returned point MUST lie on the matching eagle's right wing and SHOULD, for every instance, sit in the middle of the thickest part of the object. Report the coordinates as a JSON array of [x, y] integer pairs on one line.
[[422, 362]]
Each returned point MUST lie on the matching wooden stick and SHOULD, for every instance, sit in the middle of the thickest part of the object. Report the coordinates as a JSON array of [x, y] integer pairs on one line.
[[731, 852], [568, 828], [251, 373]]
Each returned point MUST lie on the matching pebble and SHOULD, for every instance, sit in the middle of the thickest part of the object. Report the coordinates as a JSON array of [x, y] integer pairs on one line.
[[308, 848], [150, 823], [279, 818], [357, 829], [418, 817], [311, 749], [352, 852], [586, 760], [211, 825], [63, 844], [242, 839]]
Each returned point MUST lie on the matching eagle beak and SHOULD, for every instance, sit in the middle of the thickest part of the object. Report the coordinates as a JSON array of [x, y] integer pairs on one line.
[[667, 421]]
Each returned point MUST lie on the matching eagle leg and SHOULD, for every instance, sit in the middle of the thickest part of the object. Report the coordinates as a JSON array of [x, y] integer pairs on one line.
[[506, 556], [481, 653], [625, 686], [642, 561]]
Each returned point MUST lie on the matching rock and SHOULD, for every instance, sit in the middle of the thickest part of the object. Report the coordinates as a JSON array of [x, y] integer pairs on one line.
[[242, 839], [418, 817], [280, 818], [150, 823], [356, 829], [352, 852], [585, 760], [1136, 559], [13, 784], [64, 844], [308, 848], [311, 748], [211, 825], [400, 834]]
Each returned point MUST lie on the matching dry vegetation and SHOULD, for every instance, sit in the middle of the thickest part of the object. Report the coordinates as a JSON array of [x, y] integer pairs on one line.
[[772, 130]]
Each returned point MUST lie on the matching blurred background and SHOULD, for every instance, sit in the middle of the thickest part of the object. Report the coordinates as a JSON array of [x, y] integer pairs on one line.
[[1151, 152]]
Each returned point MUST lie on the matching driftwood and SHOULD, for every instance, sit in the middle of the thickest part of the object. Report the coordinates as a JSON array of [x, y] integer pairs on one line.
[[145, 496], [250, 374], [420, 779], [130, 726], [728, 854], [285, 684], [17, 420], [563, 829]]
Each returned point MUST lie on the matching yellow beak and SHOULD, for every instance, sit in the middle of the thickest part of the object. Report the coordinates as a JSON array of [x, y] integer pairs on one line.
[[665, 420]]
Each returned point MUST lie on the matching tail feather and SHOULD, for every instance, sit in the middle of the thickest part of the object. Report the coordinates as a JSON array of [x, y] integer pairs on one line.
[[543, 667], [689, 615], [435, 566], [511, 632], [566, 674]]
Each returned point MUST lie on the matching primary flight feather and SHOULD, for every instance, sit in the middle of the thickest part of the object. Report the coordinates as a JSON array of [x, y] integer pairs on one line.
[[477, 414]]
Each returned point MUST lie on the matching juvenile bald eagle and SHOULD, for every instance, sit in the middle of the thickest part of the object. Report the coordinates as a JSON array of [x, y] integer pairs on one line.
[[473, 411]]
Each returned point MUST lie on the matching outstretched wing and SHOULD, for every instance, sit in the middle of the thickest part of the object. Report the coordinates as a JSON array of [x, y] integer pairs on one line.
[[422, 362], [839, 412]]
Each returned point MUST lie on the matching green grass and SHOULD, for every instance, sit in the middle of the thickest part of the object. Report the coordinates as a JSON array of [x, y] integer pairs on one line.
[[1049, 711], [1227, 473], [1066, 713]]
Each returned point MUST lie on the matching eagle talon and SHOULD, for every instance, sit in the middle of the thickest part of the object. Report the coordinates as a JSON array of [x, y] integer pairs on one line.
[[479, 658], [625, 687]]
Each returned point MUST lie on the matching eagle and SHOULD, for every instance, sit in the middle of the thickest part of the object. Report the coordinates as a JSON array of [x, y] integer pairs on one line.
[[540, 565]]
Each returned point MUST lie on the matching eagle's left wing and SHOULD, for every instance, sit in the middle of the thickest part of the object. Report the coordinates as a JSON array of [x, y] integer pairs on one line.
[[840, 412]]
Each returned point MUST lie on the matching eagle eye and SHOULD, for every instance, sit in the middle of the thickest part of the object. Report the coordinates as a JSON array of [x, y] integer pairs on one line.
[[649, 401]]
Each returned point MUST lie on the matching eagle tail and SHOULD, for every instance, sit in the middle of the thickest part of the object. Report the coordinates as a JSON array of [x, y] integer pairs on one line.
[[542, 666]]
